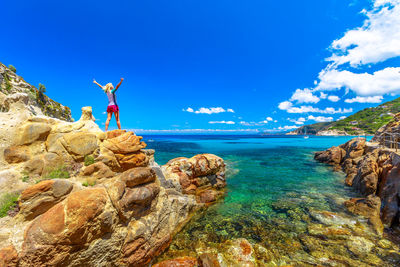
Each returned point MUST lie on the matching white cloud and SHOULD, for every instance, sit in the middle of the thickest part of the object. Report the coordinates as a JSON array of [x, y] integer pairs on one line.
[[322, 95], [221, 122], [342, 117], [285, 105], [310, 109], [215, 110], [298, 121], [363, 99], [381, 82], [253, 123], [304, 96], [320, 118], [188, 110], [287, 127], [333, 98], [269, 119], [376, 41]]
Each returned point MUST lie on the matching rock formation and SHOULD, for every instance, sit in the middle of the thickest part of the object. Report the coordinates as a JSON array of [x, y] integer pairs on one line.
[[122, 209], [373, 170], [12, 87]]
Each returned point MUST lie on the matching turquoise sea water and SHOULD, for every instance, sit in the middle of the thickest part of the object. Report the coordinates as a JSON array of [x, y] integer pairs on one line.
[[274, 187]]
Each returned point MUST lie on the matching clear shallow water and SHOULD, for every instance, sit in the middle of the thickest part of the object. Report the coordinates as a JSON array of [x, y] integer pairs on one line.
[[275, 189]]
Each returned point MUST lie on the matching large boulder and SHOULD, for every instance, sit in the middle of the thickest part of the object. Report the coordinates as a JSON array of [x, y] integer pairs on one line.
[[333, 155], [125, 143], [80, 144], [97, 171], [390, 196], [39, 198], [132, 192], [68, 227], [16, 154], [367, 177], [31, 132], [132, 160], [355, 147]]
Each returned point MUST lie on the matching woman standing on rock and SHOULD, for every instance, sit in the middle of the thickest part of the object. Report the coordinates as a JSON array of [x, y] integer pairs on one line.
[[112, 102]]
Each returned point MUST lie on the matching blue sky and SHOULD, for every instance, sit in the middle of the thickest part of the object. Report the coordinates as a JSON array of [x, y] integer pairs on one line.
[[209, 66]]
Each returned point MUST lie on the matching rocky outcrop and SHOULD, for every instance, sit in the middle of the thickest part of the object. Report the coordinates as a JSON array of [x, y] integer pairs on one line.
[[198, 175], [13, 86], [121, 210], [372, 169]]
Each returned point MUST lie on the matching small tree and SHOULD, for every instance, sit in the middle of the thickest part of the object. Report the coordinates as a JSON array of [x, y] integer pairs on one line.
[[12, 68], [42, 88]]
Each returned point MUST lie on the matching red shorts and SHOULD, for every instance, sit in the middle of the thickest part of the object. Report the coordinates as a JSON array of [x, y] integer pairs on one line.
[[112, 109]]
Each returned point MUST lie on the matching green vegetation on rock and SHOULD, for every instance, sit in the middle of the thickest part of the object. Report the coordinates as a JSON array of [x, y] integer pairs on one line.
[[366, 121], [59, 172], [89, 160], [12, 68], [7, 201]]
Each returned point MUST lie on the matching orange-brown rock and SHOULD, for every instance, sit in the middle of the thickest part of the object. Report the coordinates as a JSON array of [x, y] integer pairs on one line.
[[16, 154], [203, 169], [98, 170], [39, 198], [125, 143], [191, 189], [132, 160], [390, 196], [138, 176], [135, 200], [333, 155], [9, 257], [354, 148], [178, 262], [366, 179], [209, 260], [207, 196], [114, 133], [67, 227], [137, 251]]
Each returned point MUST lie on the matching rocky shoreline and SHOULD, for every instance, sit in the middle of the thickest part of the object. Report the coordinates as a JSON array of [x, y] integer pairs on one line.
[[372, 170]]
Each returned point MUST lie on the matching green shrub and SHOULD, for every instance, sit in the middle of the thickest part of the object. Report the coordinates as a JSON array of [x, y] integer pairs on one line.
[[85, 184], [89, 160], [12, 68], [7, 82], [60, 172], [25, 176], [7, 202], [42, 88]]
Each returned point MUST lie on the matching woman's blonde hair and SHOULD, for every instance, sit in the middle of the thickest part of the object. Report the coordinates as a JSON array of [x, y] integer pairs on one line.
[[108, 87]]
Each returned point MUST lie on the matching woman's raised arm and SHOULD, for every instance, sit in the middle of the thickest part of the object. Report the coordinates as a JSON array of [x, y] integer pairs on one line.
[[94, 81], [116, 87]]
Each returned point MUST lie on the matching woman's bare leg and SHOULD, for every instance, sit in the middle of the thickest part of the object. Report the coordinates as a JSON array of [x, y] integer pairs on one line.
[[109, 115], [117, 119]]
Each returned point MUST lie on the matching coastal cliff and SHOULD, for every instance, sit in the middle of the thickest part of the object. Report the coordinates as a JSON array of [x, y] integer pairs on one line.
[[372, 169], [363, 122], [73, 195]]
